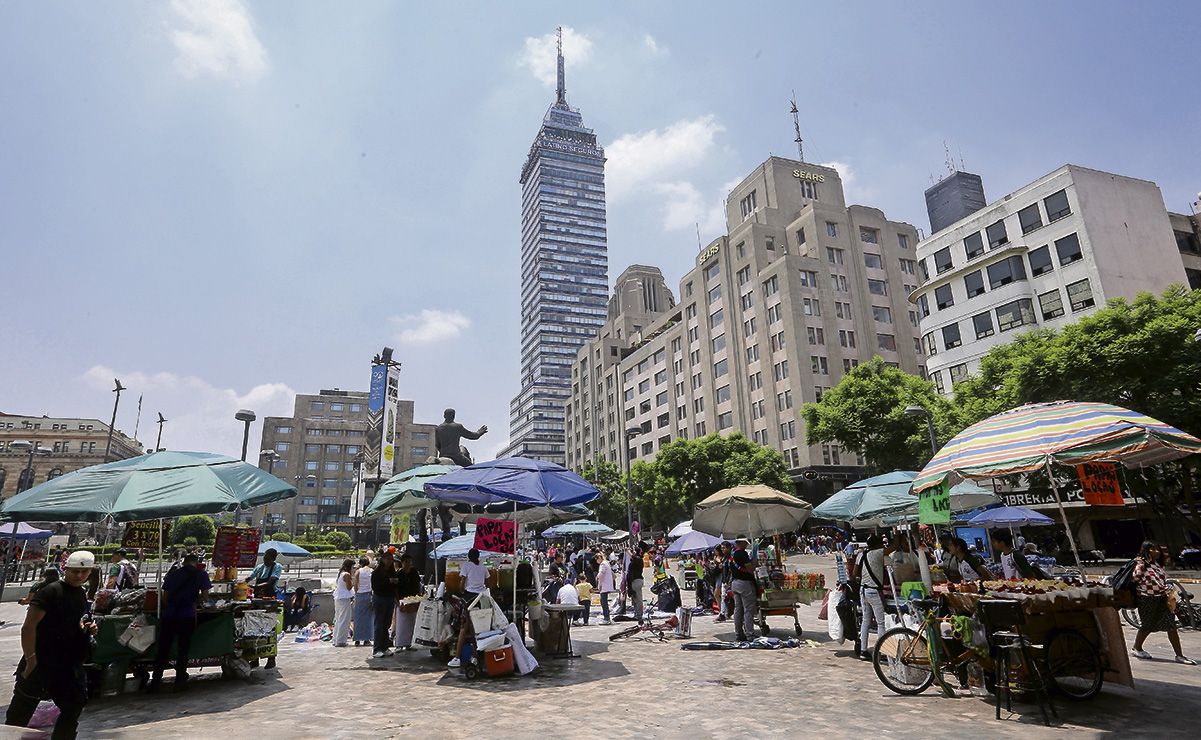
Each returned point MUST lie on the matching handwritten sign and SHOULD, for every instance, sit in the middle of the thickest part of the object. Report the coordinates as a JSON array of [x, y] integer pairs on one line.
[[237, 546], [1099, 482], [934, 505], [399, 532], [495, 536], [145, 535]]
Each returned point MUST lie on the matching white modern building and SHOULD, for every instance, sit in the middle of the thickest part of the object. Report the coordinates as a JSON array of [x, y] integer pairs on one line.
[[1043, 255]]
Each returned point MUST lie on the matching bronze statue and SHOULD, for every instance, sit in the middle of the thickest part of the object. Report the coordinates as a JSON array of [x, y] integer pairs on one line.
[[447, 436]]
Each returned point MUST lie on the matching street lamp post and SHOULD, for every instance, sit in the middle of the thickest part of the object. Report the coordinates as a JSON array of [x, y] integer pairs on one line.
[[631, 433], [23, 484], [269, 457], [158, 443], [920, 411], [112, 424], [246, 416]]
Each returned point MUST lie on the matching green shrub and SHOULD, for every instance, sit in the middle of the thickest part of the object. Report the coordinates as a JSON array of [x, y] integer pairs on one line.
[[281, 537], [198, 527], [189, 542], [339, 540]]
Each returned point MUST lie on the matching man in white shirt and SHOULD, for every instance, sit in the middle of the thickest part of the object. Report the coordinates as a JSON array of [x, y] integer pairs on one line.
[[474, 575]]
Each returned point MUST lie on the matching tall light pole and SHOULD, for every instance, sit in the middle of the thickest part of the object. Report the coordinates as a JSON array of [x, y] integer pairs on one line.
[[112, 424], [268, 457], [158, 443], [246, 416], [920, 411], [631, 433]]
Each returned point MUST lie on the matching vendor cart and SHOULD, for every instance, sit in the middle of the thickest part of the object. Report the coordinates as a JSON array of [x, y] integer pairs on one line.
[[784, 602]]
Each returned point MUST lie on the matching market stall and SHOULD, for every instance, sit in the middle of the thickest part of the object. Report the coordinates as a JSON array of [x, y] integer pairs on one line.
[[149, 490]]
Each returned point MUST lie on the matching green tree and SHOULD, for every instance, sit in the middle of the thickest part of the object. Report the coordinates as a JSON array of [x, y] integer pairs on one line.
[[610, 508], [689, 470], [281, 537], [339, 539], [865, 414], [310, 534], [1137, 354], [197, 526]]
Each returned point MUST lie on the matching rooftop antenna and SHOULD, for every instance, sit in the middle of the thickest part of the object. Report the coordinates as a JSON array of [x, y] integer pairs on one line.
[[561, 90], [698, 235], [962, 167], [796, 123], [950, 162]]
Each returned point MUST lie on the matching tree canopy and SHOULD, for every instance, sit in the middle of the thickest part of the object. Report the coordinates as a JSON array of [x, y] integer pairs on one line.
[[610, 508], [198, 526], [686, 471], [865, 414]]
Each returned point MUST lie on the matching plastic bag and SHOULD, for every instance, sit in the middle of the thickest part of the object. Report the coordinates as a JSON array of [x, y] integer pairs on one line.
[[523, 660], [139, 635], [834, 626], [44, 716], [825, 610]]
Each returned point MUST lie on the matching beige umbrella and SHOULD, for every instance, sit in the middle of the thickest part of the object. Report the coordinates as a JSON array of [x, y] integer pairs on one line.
[[750, 511]]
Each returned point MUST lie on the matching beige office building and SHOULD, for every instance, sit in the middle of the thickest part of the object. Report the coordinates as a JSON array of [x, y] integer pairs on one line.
[[65, 444], [317, 448], [771, 316]]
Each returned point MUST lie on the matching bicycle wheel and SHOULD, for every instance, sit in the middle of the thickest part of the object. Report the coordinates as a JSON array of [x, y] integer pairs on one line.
[[625, 632], [1074, 665], [902, 661], [1131, 617]]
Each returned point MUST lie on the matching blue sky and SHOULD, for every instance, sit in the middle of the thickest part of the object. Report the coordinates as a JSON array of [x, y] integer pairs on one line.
[[224, 203]]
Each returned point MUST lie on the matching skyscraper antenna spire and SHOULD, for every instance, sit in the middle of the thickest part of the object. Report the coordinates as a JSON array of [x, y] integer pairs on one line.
[[561, 90], [796, 123]]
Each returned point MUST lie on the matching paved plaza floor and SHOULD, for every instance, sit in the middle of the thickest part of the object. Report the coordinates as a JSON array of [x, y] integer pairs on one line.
[[620, 690]]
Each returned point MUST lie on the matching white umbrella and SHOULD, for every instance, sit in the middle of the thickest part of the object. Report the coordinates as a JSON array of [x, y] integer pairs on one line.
[[680, 529]]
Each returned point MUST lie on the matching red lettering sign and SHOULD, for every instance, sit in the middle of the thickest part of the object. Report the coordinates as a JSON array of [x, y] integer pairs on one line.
[[1099, 482]]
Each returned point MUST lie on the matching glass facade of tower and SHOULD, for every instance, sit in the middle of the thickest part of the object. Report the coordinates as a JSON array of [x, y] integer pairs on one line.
[[564, 275]]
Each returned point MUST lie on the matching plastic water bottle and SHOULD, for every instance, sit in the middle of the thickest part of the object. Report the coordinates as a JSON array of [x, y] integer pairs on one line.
[[975, 679]]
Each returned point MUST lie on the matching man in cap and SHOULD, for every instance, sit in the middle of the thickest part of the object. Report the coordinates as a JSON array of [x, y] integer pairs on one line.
[[55, 640], [182, 589]]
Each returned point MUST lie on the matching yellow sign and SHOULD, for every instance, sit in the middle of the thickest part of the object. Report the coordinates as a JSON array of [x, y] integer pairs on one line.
[[388, 452], [709, 252], [815, 177]]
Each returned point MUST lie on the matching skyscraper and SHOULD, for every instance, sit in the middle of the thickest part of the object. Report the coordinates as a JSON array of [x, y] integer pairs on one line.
[[564, 272]]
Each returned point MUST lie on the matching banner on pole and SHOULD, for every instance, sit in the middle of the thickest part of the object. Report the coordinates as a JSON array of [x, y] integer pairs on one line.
[[145, 535], [237, 546], [494, 535], [387, 455], [1099, 482], [934, 505], [375, 420]]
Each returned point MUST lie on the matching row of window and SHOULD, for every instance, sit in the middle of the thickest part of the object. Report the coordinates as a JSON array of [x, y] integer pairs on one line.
[[1014, 314], [320, 406], [1029, 218], [1005, 271], [329, 449], [63, 447]]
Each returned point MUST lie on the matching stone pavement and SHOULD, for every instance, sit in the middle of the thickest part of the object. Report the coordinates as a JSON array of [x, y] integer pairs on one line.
[[619, 690]]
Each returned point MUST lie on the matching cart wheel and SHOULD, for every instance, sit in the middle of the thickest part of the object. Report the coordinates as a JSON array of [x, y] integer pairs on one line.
[[765, 629], [471, 671], [798, 630]]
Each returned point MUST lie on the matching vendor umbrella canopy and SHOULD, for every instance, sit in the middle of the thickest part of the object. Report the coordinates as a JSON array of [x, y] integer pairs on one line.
[[619, 536], [1033, 436], [1010, 516], [513, 479], [965, 497], [24, 532], [692, 543], [680, 529], [579, 527], [750, 511], [155, 486], [404, 493], [284, 550], [525, 514], [869, 499]]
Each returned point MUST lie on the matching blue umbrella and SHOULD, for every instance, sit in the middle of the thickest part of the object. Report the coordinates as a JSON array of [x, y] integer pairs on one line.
[[515, 480], [457, 547], [1010, 516], [285, 550], [692, 543]]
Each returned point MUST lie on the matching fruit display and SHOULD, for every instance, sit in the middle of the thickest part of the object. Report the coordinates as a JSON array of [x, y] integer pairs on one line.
[[1037, 595], [804, 581]]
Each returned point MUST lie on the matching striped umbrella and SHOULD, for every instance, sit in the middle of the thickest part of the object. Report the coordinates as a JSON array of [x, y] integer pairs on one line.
[[1033, 436]]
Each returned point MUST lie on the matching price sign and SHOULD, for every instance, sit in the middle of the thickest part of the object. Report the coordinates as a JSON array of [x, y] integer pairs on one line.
[[494, 535], [399, 533], [934, 505], [237, 546], [145, 535], [1099, 482]]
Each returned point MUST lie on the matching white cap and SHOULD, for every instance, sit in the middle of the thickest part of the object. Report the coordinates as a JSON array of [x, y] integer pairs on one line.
[[81, 559]]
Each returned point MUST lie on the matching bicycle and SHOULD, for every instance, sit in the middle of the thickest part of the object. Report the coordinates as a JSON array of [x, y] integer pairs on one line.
[[909, 661], [656, 632]]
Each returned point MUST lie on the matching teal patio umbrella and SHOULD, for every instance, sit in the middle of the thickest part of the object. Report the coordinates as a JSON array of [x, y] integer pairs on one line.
[[578, 527], [155, 486], [869, 499], [404, 493]]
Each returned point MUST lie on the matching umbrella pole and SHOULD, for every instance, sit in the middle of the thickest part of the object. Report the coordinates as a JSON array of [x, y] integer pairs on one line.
[[158, 603], [516, 532], [1064, 516]]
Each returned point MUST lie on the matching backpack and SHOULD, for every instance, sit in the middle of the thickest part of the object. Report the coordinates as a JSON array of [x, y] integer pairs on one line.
[[129, 575], [1123, 580]]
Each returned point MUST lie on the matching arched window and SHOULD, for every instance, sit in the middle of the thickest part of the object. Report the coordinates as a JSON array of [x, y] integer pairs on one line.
[[54, 473]]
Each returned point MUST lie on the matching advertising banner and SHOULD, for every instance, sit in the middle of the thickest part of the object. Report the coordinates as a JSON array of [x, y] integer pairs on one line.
[[1099, 482], [375, 420], [399, 534], [387, 454], [934, 505]]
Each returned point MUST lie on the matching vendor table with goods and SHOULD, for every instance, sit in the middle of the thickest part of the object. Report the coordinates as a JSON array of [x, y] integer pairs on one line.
[[1054, 607], [231, 632], [782, 592]]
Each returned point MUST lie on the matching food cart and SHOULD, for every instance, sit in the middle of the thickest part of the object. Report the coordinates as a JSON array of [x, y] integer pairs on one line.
[[782, 592]]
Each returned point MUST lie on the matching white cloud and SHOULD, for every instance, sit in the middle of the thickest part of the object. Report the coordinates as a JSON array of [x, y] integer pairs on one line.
[[200, 416], [657, 155], [541, 54], [685, 207], [430, 326], [216, 37], [653, 46]]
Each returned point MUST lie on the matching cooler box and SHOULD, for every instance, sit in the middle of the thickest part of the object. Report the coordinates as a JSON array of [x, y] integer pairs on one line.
[[499, 662]]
